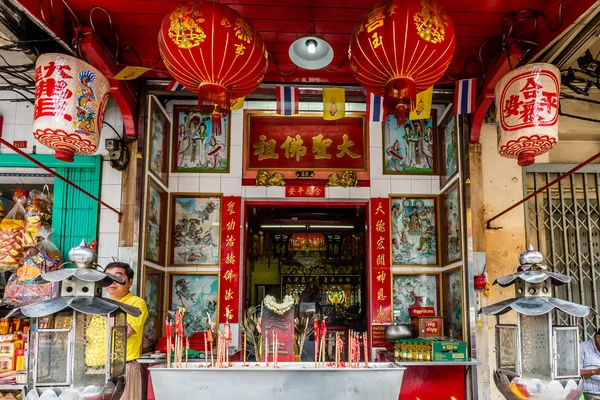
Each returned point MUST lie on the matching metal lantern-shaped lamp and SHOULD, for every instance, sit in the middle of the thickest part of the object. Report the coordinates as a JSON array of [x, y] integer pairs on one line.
[[536, 359], [77, 341]]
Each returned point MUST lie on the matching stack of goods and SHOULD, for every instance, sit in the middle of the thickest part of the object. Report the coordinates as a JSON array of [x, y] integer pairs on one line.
[[430, 349], [13, 350], [44, 257], [11, 235]]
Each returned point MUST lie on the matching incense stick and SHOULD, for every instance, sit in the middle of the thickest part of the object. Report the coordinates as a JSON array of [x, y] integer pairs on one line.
[[244, 349]]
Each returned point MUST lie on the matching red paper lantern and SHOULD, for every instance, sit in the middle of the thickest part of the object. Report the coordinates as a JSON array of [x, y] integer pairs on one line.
[[214, 51], [401, 48], [527, 112]]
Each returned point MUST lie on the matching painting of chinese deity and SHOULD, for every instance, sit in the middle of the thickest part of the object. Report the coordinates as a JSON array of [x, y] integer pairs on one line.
[[451, 237], [414, 231], [198, 294], [448, 149], [410, 288], [156, 207], [200, 141], [153, 296], [195, 229], [453, 306], [159, 127], [409, 148]]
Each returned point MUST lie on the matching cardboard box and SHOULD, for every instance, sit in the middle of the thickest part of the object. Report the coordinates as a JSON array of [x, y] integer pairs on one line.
[[446, 349]]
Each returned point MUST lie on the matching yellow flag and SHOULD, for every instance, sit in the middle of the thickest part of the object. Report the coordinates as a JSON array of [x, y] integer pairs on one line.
[[423, 105], [130, 72], [334, 103], [236, 104]]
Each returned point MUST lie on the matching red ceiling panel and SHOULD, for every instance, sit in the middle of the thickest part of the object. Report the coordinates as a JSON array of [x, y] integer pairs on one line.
[[283, 21]]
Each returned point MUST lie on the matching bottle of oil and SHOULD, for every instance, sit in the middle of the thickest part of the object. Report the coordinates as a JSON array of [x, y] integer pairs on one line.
[[397, 353]]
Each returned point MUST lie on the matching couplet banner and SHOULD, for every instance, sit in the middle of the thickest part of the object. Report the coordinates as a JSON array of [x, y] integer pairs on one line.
[[381, 284], [229, 275]]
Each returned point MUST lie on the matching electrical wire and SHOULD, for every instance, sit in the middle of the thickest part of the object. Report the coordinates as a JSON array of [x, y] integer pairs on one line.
[[113, 128]]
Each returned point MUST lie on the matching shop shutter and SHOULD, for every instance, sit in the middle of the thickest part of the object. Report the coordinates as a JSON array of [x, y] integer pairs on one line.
[[76, 216]]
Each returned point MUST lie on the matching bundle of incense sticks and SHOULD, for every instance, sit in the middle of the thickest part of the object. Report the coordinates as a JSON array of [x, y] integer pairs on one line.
[[275, 348], [350, 348], [316, 330], [323, 335], [205, 351], [244, 350], [366, 349], [169, 332], [266, 348]]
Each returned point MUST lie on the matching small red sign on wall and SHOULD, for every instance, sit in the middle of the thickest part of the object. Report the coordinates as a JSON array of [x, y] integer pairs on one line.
[[20, 144], [304, 191], [378, 336]]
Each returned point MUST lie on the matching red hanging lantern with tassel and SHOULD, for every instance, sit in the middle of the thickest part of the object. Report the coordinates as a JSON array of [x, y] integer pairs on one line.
[[213, 50], [401, 48]]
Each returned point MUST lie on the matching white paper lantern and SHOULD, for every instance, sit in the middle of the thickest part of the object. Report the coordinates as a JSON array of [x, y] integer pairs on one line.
[[527, 112], [70, 100]]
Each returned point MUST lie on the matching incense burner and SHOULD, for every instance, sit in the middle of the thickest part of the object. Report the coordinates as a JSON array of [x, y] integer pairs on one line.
[[298, 381], [536, 359]]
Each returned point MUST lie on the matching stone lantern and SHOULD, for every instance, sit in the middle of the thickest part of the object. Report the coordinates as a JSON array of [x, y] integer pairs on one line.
[[536, 359], [77, 341]]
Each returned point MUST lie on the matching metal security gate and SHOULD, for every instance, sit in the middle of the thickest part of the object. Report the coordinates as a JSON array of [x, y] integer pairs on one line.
[[563, 222]]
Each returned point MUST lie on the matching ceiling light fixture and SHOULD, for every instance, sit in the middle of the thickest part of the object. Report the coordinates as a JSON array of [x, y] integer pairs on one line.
[[311, 51]]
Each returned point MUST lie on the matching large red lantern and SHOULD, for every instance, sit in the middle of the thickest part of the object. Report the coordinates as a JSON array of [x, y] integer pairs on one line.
[[213, 50], [401, 48]]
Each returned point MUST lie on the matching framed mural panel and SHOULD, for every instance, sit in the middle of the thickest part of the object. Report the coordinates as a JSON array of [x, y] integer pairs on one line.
[[407, 288], [410, 148], [414, 221], [195, 229], [198, 294], [158, 131], [155, 223], [448, 148], [451, 231], [201, 143], [153, 294], [453, 289]]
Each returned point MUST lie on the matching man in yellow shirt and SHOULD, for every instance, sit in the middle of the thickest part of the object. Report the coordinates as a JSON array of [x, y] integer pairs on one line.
[[135, 327]]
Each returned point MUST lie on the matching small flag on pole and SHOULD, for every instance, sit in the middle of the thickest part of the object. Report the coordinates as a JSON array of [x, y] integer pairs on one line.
[[287, 100], [175, 86], [375, 111], [465, 96], [423, 105], [334, 103]]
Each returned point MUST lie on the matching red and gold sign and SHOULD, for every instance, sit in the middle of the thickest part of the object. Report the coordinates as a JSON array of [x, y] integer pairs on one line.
[[378, 336], [213, 50], [307, 241], [304, 191], [527, 112], [305, 142], [399, 49], [229, 276], [381, 274], [70, 100]]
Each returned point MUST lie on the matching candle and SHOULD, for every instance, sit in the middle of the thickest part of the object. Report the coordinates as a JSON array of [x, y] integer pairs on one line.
[[274, 351], [187, 349], [366, 349], [266, 348]]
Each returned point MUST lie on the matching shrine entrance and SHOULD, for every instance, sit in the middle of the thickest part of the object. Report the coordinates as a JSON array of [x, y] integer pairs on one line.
[[313, 252]]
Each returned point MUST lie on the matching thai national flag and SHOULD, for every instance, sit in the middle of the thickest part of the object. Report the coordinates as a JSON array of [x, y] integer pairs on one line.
[[375, 111], [287, 100], [465, 96], [175, 86]]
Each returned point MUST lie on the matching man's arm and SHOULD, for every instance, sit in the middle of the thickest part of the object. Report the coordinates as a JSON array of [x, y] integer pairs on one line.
[[586, 373]]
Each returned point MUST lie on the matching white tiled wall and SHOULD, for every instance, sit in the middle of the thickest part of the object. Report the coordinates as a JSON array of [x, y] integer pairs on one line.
[[231, 184], [17, 125]]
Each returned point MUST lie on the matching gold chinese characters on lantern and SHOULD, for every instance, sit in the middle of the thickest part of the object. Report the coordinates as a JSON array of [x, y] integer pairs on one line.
[[70, 99], [527, 112], [214, 51], [401, 48]]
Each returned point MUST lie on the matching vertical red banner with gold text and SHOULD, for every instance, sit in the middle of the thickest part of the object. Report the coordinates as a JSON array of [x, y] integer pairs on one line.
[[381, 273], [229, 274]]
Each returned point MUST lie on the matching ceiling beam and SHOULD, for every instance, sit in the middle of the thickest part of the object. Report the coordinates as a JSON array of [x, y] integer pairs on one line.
[[486, 97]]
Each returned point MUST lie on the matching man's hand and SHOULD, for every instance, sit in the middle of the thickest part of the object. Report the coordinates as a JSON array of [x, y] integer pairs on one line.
[[586, 373]]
